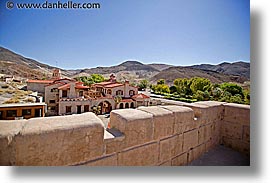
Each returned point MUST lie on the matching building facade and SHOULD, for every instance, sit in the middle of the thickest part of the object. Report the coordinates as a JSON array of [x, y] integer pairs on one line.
[[22, 111], [100, 98], [67, 96]]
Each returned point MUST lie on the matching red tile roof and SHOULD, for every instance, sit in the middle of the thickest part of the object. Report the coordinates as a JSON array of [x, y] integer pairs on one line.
[[81, 87], [55, 83], [126, 100], [66, 86], [113, 85], [40, 81], [77, 86], [140, 96], [103, 83]]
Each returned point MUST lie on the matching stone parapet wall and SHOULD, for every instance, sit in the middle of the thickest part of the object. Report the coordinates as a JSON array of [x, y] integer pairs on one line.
[[235, 131], [147, 136]]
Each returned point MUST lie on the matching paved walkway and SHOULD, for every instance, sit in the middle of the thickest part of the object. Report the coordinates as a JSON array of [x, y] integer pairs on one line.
[[221, 156]]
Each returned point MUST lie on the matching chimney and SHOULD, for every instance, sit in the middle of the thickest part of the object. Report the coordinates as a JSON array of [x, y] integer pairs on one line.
[[72, 90], [112, 78], [126, 88]]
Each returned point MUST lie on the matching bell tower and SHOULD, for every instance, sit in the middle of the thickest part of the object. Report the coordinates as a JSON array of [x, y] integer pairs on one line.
[[56, 74]]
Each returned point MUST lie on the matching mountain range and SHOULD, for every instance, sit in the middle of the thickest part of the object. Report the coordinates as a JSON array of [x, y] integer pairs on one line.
[[134, 71]]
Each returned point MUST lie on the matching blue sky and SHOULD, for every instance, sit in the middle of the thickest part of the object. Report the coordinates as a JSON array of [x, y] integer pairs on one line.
[[178, 32]]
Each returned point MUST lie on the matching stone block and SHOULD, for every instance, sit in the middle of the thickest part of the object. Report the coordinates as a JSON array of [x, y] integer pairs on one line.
[[216, 128], [58, 141], [201, 134], [190, 140], [204, 133], [237, 113], [207, 112], [180, 160], [170, 147], [8, 130], [237, 145], [184, 118], [167, 163], [246, 134], [110, 160], [114, 145], [136, 125], [215, 110], [196, 152], [232, 130], [146, 155], [163, 121]]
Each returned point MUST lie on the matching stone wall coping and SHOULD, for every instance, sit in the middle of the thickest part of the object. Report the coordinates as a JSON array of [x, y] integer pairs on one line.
[[11, 128], [175, 108], [50, 124], [155, 110], [130, 115], [243, 106], [210, 103]]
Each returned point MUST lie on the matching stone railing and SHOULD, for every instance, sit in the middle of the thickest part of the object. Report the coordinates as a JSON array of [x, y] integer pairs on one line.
[[147, 136]]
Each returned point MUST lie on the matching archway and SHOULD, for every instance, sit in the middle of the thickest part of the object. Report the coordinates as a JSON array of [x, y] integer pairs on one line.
[[105, 107], [121, 105], [126, 105], [132, 105]]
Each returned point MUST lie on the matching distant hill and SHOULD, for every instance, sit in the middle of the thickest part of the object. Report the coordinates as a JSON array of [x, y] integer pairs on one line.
[[17, 65], [236, 68], [160, 67], [172, 73], [134, 71]]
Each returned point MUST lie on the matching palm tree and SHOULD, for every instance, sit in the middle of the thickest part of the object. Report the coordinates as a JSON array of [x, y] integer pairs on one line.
[[117, 100]]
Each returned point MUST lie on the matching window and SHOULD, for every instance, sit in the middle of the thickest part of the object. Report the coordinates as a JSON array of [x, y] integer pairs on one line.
[[38, 112], [52, 108], [54, 90], [81, 93], [109, 91], [52, 101], [26, 112], [64, 93], [11, 113], [86, 108], [1, 115], [131, 92], [68, 109], [119, 92]]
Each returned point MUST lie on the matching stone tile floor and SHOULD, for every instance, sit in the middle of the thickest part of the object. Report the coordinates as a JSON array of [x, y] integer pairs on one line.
[[221, 156]]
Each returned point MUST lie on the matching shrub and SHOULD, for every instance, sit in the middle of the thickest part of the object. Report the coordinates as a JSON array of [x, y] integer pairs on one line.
[[11, 101]]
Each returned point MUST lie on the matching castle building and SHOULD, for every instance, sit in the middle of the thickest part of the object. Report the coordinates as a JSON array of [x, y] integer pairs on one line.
[[67, 96], [100, 97]]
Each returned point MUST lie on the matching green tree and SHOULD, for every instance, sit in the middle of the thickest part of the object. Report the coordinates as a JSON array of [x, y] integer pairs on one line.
[[183, 86], [97, 78], [143, 84], [236, 99], [161, 88], [232, 88], [173, 89], [199, 95], [88, 81], [201, 84], [161, 81]]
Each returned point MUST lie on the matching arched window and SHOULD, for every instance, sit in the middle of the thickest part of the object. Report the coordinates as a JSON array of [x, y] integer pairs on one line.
[[109, 91], [131, 92], [127, 105], [121, 105], [119, 92], [132, 105]]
